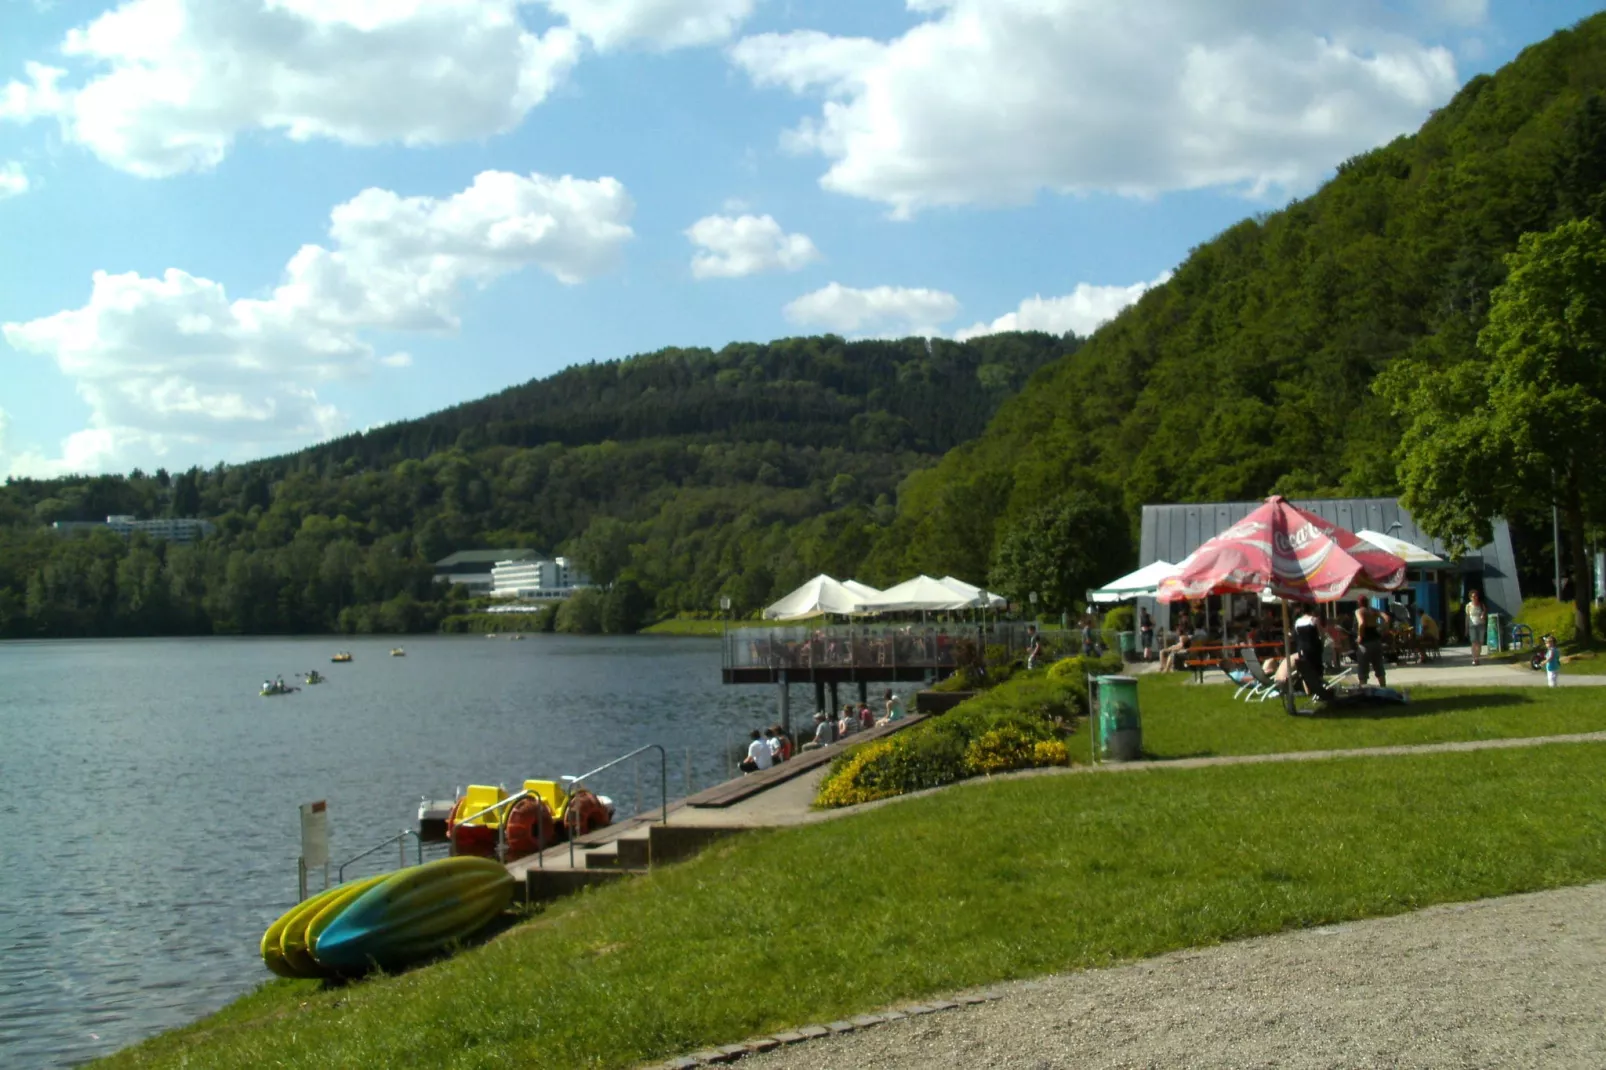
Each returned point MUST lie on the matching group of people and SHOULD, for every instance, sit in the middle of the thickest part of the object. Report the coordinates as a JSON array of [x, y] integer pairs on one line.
[[772, 745], [1317, 642]]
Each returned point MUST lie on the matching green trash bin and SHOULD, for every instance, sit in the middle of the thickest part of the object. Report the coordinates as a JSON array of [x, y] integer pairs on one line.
[[1493, 641], [1129, 645], [1120, 727]]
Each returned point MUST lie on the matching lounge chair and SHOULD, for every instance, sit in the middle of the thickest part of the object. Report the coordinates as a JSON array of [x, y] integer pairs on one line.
[[1248, 687]]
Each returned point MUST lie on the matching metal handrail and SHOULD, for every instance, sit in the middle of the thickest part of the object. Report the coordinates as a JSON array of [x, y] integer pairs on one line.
[[663, 784], [663, 774], [400, 838]]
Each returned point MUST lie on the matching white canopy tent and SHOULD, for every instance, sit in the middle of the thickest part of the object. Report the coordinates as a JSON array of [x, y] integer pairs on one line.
[[921, 593], [863, 590], [1144, 583], [822, 594], [973, 594], [1409, 552]]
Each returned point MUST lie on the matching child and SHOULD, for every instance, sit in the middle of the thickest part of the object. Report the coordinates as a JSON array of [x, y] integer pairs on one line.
[[1552, 662]]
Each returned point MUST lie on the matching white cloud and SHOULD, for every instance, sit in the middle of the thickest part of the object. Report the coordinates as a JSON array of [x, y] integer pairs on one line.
[[163, 87], [13, 180], [1082, 310], [172, 83], [173, 361], [731, 247], [884, 311], [657, 24], [991, 101]]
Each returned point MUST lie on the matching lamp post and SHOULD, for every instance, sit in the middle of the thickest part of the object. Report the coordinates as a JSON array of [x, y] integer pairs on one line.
[[1033, 599], [725, 611]]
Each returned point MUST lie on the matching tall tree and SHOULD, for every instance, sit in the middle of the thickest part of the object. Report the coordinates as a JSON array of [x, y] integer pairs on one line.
[[1061, 550], [1522, 430]]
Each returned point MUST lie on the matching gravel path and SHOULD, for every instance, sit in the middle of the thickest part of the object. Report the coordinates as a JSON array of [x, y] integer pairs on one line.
[[1514, 982]]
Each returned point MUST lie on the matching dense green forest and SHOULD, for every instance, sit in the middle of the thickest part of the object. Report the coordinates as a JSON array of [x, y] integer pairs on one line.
[[687, 473], [1283, 356], [1255, 369]]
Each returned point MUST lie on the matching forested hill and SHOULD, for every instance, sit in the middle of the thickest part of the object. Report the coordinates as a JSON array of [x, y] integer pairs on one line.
[[687, 473], [887, 396], [1253, 369]]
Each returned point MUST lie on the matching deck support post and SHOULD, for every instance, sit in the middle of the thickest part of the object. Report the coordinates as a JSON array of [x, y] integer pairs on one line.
[[819, 696], [835, 705], [864, 692], [786, 703]]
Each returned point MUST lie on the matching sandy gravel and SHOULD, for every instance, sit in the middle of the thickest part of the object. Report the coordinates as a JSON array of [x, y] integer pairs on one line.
[[1514, 982]]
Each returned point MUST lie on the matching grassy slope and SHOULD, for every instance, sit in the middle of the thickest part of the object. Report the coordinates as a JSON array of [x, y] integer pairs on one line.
[[975, 885], [1180, 720]]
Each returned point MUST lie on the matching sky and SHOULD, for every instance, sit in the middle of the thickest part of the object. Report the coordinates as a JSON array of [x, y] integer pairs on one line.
[[233, 228]]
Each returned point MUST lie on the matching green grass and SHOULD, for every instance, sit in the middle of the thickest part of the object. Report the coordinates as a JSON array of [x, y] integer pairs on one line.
[[685, 626], [975, 885], [1182, 720]]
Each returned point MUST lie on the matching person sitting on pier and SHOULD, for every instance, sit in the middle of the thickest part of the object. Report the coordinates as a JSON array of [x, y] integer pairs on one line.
[[866, 718], [783, 743], [847, 724], [824, 733], [758, 754], [894, 708]]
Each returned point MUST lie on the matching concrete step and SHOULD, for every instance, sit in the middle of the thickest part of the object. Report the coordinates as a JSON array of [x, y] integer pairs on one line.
[[630, 852]]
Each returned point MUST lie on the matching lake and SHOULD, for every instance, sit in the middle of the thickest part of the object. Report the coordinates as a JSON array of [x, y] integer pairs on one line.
[[150, 805]]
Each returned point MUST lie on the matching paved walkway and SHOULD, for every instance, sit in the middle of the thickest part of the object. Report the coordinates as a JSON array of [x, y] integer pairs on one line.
[[1515, 982]]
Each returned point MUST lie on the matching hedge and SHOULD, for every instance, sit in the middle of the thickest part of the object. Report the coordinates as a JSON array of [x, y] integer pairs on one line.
[[1016, 725]]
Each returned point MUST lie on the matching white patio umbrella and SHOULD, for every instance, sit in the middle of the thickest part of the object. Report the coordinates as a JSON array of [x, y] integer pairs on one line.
[[1409, 552], [1144, 583], [822, 594]]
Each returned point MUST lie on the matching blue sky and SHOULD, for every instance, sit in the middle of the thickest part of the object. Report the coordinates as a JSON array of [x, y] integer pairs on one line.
[[858, 166]]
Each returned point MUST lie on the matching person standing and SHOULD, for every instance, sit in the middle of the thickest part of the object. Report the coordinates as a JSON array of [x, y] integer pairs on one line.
[[1369, 641], [1477, 618], [1308, 641], [1034, 645], [1552, 662], [1146, 629]]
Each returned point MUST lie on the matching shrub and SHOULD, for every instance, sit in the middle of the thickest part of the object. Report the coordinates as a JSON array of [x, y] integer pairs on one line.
[[1050, 752], [1081, 666], [998, 729], [1000, 750]]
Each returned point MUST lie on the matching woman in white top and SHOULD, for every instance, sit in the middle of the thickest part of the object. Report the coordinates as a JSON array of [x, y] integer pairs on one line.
[[1476, 618]]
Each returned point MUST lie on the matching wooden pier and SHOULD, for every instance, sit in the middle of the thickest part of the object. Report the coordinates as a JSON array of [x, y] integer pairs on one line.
[[858, 656]]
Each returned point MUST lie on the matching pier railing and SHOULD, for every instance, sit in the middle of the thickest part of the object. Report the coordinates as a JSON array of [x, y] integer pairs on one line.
[[939, 647]]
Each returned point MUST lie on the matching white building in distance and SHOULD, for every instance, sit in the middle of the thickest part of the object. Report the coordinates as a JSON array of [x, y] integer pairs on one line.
[[163, 529], [540, 579]]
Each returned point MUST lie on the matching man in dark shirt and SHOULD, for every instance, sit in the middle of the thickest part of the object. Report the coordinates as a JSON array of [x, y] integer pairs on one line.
[[1308, 641]]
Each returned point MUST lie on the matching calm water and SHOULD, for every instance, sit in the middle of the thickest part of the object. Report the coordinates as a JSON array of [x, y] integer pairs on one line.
[[149, 805]]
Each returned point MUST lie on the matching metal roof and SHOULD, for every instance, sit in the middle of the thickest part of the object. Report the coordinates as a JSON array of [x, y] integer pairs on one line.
[[486, 557], [1172, 532]]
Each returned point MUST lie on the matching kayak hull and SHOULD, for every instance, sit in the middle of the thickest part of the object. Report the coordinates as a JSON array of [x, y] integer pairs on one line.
[[414, 914]]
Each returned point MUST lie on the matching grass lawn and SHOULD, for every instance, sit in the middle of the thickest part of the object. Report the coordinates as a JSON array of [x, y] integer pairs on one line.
[[971, 886], [1182, 720]]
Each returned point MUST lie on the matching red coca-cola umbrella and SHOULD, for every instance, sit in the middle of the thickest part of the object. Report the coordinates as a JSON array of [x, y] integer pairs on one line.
[[1283, 549], [1295, 555]]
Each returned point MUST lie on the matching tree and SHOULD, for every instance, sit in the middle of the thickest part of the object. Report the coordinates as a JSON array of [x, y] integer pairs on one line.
[[1522, 430], [1061, 550]]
